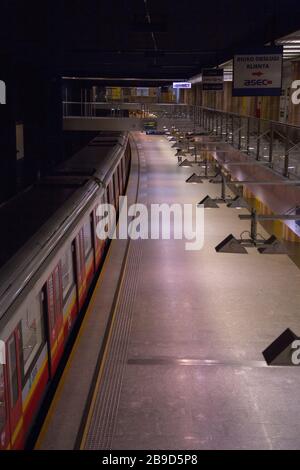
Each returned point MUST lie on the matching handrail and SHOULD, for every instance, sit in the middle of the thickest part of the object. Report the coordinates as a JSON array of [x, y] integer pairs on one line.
[[246, 116]]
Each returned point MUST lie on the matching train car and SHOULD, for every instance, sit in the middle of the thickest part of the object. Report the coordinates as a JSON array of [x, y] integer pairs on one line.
[[48, 262]]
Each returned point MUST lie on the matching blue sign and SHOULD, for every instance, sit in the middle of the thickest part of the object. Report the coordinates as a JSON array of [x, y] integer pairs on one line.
[[178, 85]]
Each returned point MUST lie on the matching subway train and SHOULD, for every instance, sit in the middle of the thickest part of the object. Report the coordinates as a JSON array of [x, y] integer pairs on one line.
[[52, 257]]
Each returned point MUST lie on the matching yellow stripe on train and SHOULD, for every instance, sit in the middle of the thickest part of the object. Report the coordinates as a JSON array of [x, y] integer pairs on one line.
[[17, 430]]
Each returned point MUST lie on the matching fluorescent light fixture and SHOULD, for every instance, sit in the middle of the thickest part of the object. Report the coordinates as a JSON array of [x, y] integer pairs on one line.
[[2, 92]]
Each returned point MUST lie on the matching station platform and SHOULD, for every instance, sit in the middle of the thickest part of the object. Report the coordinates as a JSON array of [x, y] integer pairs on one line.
[[169, 355]]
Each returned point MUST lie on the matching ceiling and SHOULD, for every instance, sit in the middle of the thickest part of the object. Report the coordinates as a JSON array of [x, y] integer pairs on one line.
[[146, 39]]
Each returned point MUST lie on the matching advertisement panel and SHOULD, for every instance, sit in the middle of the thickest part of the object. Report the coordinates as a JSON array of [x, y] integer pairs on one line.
[[116, 93]]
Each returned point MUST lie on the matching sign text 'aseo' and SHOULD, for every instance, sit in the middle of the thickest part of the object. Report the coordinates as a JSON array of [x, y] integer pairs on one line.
[[258, 73]]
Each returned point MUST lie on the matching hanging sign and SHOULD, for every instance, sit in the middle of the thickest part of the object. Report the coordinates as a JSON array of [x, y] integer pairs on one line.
[[212, 79], [258, 73]]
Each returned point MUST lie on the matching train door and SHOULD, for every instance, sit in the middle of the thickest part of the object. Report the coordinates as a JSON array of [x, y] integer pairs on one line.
[[111, 193], [4, 417], [80, 268], [98, 243], [69, 289], [127, 163], [116, 190], [120, 178], [55, 316], [89, 249], [123, 172], [108, 200], [111, 199], [13, 348]]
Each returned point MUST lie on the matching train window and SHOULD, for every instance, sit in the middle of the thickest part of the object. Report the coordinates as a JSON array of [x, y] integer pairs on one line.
[[116, 187], [67, 272], [13, 371], [111, 192], [123, 167], [2, 399], [87, 236], [32, 332], [120, 178], [99, 218]]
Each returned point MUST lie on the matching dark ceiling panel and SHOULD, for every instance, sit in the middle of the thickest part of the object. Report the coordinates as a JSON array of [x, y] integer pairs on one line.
[[145, 38]]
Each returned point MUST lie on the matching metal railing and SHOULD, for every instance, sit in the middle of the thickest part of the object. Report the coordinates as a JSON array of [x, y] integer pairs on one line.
[[276, 143], [273, 142], [101, 109]]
